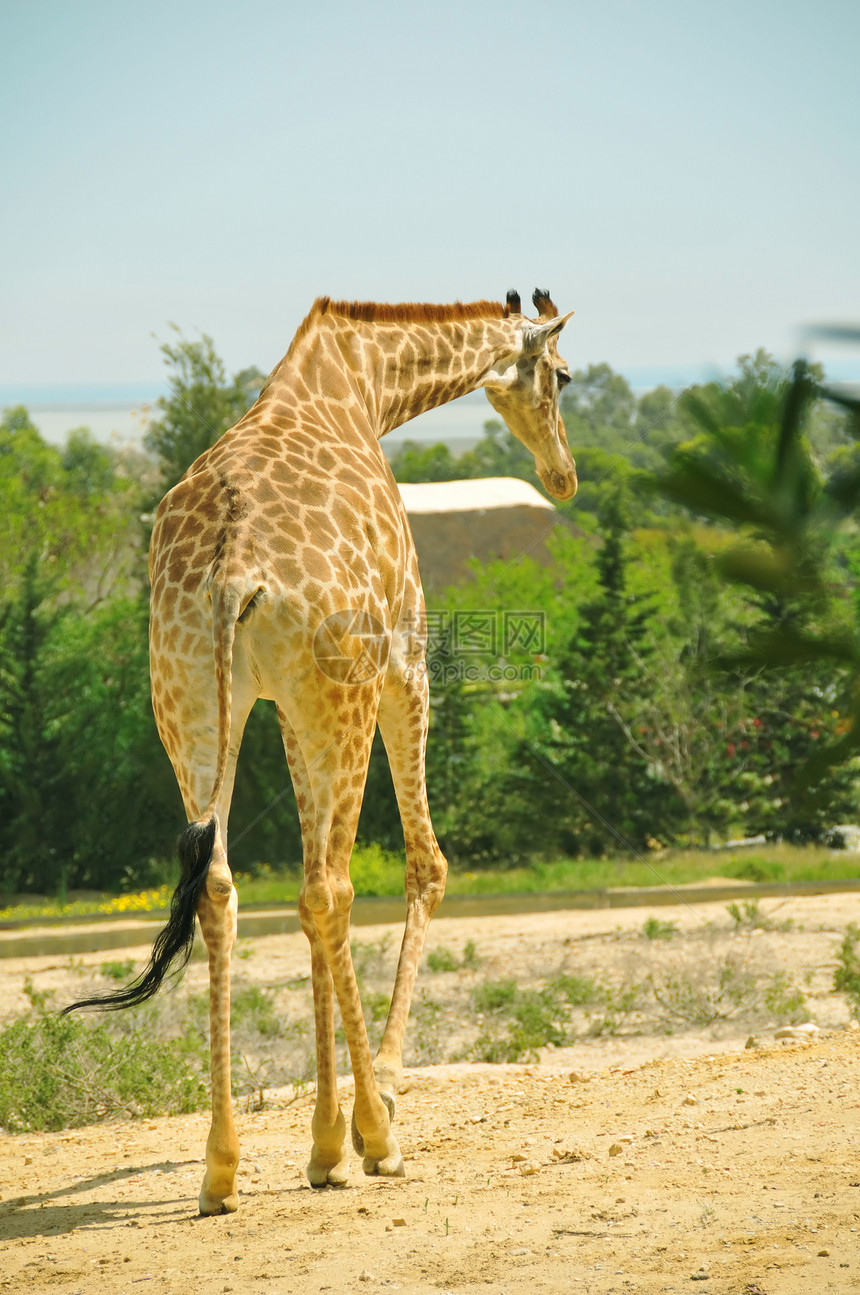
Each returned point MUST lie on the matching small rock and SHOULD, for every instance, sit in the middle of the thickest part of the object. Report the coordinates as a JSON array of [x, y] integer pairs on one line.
[[691, 1100], [616, 1149], [800, 1032], [580, 1077], [823, 1254], [570, 1155], [366, 1276], [399, 1223], [528, 1168]]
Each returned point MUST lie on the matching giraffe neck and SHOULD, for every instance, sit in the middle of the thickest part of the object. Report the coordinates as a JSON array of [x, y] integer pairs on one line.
[[386, 372]]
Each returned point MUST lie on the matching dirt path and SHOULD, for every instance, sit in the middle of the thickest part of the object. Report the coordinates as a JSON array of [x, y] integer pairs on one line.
[[606, 1168]]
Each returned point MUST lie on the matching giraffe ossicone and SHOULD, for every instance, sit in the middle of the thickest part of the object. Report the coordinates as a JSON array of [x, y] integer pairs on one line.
[[282, 566]]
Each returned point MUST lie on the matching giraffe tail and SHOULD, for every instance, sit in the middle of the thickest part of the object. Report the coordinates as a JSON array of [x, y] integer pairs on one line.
[[196, 846], [173, 944]]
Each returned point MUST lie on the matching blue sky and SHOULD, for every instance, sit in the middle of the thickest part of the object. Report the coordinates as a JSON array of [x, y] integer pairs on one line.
[[684, 176]]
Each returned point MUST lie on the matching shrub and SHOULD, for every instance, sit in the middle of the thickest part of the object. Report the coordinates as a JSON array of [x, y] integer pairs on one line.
[[441, 959], [64, 1071], [654, 929], [374, 871], [846, 976]]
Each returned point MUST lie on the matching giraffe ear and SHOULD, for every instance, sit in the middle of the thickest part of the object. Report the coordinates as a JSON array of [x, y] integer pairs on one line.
[[536, 336]]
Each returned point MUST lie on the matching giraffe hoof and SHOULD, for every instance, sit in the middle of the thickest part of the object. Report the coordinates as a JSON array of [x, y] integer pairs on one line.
[[320, 1175], [389, 1167], [211, 1206], [357, 1139]]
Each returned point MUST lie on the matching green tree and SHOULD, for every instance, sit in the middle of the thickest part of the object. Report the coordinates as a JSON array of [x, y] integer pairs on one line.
[[599, 407], [499, 454], [29, 756], [202, 405], [414, 462], [751, 465], [75, 508], [582, 770]]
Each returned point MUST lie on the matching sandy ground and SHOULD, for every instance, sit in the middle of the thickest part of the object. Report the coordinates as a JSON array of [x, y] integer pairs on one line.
[[643, 1162]]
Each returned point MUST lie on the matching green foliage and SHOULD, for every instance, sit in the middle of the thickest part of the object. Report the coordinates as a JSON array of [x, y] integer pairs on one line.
[[530, 1025], [497, 454], [728, 990], [73, 512], [202, 405], [749, 917], [581, 723], [752, 466], [654, 929], [254, 1008], [701, 1000], [415, 461], [120, 970], [576, 991], [441, 959], [532, 1018], [63, 1072], [846, 976], [86, 798], [701, 648], [369, 957], [784, 1001], [755, 868], [374, 871]]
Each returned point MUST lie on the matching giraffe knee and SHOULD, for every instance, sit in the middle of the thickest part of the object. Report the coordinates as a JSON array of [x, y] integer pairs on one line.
[[425, 879], [326, 893], [218, 910], [219, 885]]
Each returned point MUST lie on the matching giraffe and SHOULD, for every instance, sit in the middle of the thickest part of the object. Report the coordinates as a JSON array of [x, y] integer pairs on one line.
[[282, 566]]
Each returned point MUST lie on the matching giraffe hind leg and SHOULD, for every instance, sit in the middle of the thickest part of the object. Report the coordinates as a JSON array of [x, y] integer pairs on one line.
[[333, 773], [328, 1165], [218, 912]]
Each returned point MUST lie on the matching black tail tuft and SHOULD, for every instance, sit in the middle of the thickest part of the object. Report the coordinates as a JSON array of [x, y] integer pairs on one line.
[[172, 947]]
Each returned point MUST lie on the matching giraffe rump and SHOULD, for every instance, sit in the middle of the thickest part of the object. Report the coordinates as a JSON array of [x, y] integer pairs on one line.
[[172, 947]]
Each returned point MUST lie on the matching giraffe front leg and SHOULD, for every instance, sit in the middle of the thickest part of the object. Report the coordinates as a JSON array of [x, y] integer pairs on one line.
[[372, 1133], [425, 886], [329, 1162], [403, 721], [217, 913]]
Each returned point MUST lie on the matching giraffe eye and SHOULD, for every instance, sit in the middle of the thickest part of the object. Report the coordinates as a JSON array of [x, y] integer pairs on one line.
[[562, 377]]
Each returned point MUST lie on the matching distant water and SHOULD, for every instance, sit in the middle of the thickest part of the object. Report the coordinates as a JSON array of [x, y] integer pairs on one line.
[[119, 413], [123, 422]]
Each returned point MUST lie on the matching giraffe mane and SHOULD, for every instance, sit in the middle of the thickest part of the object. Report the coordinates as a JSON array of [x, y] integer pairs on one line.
[[375, 312], [408, 312]]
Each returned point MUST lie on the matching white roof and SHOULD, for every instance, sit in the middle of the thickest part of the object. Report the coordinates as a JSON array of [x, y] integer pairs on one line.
[[471, 496]]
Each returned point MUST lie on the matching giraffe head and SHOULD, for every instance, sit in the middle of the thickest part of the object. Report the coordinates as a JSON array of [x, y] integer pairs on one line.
[[524, 388]]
